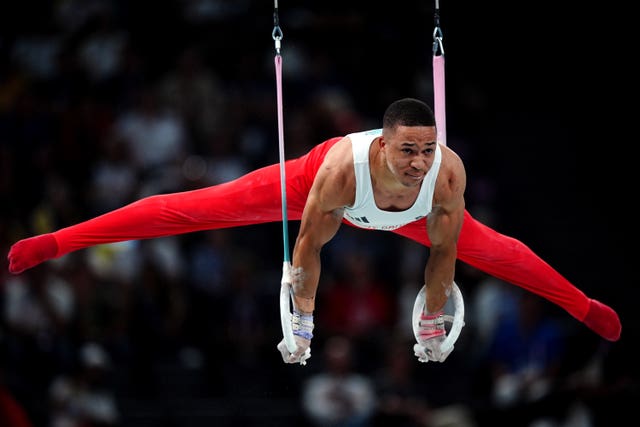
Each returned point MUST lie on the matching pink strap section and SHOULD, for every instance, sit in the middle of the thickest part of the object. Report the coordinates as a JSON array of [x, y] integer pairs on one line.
[[278, 64], [439, 98], [283, 177]]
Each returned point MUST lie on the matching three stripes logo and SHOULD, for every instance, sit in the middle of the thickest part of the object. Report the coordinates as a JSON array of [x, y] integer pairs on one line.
[[362, 219]]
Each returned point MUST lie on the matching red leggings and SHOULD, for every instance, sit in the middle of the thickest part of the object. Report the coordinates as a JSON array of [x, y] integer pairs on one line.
[[256, 198]]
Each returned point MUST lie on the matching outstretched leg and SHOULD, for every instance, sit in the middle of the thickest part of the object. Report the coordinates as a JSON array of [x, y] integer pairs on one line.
[[250, 199], [512, 261], [254, 198]]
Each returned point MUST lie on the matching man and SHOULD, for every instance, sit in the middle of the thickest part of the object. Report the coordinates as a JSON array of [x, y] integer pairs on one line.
[[397, 178]]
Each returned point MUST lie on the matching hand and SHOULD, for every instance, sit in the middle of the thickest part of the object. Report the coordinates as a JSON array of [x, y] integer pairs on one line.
[[302, 328], [431, 335], [302, 353], [430, 350]]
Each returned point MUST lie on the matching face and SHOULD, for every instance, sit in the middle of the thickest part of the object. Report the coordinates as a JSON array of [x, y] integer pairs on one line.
[[409, 152]]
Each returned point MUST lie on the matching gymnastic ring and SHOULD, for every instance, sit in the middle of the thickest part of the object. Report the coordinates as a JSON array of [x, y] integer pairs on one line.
[[456, 321]]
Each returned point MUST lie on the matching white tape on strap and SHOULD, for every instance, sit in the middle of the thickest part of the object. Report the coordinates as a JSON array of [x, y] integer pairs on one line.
[[285, 308]]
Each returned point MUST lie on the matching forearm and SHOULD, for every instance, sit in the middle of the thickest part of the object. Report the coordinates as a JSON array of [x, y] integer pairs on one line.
[[305, 277], [438, 277], [316, 229]]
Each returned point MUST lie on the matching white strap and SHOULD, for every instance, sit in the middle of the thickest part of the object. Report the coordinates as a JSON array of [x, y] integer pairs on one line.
[[285, 308]]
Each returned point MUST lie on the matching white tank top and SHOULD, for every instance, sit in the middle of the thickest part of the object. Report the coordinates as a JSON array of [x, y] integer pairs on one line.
[[364, 213]]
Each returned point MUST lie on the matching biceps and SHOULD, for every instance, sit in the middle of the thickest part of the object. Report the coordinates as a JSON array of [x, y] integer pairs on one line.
[[444, 228]]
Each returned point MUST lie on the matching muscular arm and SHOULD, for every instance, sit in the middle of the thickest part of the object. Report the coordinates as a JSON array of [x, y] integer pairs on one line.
[[443, 226], [332, 189]]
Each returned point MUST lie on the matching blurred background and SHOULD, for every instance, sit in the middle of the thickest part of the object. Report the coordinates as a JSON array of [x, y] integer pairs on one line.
[[103, 102]]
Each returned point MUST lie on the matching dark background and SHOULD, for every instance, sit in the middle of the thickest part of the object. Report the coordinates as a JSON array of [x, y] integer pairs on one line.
[[540, 103]]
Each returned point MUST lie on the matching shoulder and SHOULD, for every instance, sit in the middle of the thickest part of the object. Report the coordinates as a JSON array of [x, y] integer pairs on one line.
[[451, 161], [335, 180], [340, 155], [452, 177]]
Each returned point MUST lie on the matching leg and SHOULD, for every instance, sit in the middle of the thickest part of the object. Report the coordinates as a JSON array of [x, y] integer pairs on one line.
[[512, 261], [251, 199], [254, 198]]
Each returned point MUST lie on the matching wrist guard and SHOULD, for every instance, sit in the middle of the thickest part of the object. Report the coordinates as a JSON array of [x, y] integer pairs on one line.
[[431, 325], [302, 324]]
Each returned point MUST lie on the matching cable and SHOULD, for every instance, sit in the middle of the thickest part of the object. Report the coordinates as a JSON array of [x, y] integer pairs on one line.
[[286, 291]]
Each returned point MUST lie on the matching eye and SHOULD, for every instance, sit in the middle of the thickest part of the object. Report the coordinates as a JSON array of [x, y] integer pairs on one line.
[[428, 151], [407, 150]]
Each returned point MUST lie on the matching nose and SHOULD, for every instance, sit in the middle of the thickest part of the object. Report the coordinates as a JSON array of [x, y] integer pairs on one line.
[[418, 164]]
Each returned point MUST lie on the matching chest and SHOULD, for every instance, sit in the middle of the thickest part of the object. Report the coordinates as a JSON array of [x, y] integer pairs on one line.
[[395, 201]]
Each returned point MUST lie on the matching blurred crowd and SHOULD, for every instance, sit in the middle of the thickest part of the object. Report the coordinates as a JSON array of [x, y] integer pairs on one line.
[[103, 102]]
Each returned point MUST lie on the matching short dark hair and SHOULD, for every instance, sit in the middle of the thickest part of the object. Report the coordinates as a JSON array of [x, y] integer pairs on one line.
[[408, 112]]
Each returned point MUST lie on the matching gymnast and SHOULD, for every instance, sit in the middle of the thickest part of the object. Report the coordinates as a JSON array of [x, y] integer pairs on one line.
[[397, 178]]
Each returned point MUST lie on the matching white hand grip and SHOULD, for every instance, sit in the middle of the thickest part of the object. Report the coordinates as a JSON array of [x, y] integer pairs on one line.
[[457, 320]]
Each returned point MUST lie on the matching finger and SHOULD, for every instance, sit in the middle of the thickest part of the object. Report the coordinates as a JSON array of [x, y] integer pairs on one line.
[[420, 353], [305, 356], [299, 354], [282, 347], [295, 358]]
